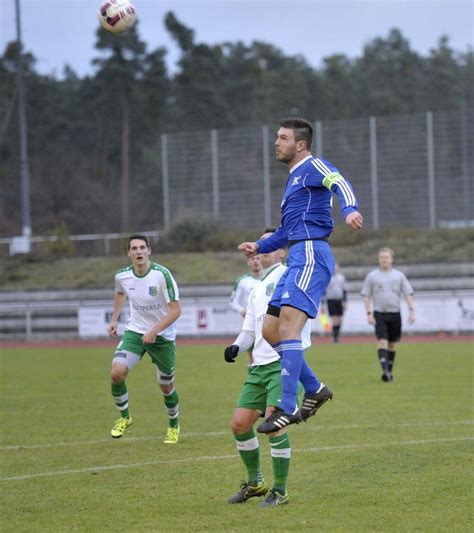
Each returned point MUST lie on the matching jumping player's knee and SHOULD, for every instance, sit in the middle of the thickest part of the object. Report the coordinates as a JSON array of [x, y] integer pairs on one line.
[[382, 344]]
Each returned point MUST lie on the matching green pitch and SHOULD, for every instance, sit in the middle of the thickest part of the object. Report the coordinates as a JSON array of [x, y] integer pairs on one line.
[[380, 457]]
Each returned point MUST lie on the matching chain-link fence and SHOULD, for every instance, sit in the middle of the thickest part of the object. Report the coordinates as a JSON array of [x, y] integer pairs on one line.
[[410, 170]]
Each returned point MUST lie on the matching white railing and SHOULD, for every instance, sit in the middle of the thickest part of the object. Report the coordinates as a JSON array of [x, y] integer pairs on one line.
[[17, 244]]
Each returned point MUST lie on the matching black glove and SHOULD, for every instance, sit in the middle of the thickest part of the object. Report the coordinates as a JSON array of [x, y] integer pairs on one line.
[[231, 352]]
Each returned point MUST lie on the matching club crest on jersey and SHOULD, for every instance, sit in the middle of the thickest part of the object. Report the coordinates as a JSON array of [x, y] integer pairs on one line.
[[152, 291], [269, 289]]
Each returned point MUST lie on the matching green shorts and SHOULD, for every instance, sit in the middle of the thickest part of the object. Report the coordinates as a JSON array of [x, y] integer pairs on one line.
[[261, 388], [162, 351]]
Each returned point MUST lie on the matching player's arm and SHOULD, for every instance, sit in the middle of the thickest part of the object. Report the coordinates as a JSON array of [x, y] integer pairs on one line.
[[409, 299], [246, 337], [174, 312], [242, 343], [408, 292], [368, 310], [334, 181], [236, 297], [119, 300], [344, 293], [366, 292], [411, 308], [278, 239]]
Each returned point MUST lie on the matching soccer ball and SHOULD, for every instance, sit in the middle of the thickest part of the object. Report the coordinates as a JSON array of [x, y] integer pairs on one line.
[[117, 16]]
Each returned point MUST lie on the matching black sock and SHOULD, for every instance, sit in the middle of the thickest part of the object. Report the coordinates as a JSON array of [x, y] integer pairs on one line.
[[391, 359], [335, 332], [383, 358]]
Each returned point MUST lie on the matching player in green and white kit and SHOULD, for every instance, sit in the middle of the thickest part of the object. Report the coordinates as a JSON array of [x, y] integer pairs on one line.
[[154, 309], [244, 284], [261, 391]]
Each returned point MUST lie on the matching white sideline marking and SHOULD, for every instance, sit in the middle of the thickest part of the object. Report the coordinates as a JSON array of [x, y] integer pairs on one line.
[[233, 456], [130, 440]]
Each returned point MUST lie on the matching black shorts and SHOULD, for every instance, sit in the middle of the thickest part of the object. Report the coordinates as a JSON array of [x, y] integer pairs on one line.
[[335, 307], [388, 326]]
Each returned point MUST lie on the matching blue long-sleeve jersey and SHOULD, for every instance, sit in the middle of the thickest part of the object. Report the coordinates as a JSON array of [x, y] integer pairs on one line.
[[307, 203]]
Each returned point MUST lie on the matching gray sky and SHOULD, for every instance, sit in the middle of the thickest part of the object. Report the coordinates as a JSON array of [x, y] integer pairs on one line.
[[63, 31]]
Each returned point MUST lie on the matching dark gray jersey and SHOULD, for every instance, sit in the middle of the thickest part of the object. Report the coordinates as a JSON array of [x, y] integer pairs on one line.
[[386, 289], [336, 287]]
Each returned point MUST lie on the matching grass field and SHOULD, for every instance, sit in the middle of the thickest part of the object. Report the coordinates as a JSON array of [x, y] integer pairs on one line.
[[380, 457]]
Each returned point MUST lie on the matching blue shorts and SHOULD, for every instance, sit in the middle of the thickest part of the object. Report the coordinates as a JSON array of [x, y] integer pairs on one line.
[[310, 267]]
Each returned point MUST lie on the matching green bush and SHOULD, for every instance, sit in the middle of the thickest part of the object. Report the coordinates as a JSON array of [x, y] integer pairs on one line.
[[61, 247], [202, 234]]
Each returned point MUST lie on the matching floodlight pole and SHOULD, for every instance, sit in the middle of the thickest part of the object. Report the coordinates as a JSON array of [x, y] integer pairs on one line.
[[24, 166]]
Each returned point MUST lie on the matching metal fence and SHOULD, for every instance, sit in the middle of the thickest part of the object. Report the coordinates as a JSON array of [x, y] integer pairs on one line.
[[407, 170]]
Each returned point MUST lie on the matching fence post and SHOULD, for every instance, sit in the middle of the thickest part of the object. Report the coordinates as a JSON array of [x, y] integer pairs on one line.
[[319, 138], [267, 210], [28, 323], [215, 173], [165, 178], [374, 172], [466, 191], [431, 177]]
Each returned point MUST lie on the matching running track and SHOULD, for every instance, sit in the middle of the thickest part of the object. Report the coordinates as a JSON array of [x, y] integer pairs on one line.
[[225, 341]]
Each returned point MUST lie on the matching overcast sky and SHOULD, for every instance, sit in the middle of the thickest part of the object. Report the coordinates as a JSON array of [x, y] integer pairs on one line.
[[63, 31]]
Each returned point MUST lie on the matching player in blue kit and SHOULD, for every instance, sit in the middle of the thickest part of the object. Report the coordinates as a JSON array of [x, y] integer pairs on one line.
[[306, 224]]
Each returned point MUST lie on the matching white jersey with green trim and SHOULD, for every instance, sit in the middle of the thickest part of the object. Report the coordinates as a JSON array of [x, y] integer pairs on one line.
[[262, 352], [241, 290], [149, 297]]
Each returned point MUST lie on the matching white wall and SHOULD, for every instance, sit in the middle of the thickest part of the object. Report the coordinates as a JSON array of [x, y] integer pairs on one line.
[[449, 311]]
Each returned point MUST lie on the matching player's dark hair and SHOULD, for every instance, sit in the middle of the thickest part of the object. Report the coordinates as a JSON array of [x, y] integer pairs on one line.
[[139, 237], [302, 128]]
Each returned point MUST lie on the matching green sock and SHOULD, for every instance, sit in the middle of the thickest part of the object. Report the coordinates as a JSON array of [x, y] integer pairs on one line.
[[172, 408], [247, 444], [120, 396], [281, 454]]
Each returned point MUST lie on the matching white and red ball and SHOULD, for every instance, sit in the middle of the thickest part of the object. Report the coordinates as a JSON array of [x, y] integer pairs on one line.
[[117, 16]]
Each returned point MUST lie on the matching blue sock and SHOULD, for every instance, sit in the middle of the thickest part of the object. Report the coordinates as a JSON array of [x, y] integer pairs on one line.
[[291, 361], [308, 378]]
